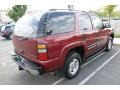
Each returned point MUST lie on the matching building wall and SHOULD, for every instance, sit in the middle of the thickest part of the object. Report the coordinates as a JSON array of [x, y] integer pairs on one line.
[[3, 16]]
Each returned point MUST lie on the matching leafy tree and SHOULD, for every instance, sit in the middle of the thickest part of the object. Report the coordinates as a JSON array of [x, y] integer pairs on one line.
[[109, 9], [116, 14], [17, 11], [101, 14]]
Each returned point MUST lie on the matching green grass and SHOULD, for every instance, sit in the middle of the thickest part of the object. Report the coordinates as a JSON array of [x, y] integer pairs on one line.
[[117, 35]]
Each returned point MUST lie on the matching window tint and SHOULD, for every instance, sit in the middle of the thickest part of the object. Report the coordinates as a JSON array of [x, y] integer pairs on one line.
[[12, 27], [42, 25], [84, 22], [7, 28], [97, 23], [0, 27], [60, 22]]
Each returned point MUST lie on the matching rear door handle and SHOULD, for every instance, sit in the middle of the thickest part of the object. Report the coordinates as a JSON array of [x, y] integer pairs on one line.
[[23, 38], [84, 36], [98, 33], [85, 28]]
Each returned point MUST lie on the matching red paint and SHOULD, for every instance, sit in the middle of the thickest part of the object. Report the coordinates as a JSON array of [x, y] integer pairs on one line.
[[59, 45]]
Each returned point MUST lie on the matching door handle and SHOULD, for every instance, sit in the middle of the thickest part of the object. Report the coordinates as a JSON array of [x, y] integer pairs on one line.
[[84, 36], [98, 34], [85, 28], [23, 38]]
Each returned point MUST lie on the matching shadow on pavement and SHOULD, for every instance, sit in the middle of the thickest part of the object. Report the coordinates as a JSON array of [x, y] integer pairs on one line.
[[4, 39]]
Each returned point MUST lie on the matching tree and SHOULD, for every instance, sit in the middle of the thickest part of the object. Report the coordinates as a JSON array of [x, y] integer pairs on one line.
[[17, 11], [116, 14], [109, 9], [101, 14]]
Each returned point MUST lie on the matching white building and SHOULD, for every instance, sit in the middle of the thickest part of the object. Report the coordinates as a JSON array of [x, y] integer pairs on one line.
[[3, 16]]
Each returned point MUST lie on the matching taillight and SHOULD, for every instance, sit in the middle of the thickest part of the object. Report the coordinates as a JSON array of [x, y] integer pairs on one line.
[[42, 52]]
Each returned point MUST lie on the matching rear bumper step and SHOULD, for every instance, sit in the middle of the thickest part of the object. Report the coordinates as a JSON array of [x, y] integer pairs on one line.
[[27, 65]]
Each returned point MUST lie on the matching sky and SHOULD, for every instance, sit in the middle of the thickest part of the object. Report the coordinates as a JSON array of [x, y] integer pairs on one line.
[[85, 5]]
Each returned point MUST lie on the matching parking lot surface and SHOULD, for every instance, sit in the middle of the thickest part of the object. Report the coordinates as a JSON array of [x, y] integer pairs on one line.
[[101, 69], [116, 26]]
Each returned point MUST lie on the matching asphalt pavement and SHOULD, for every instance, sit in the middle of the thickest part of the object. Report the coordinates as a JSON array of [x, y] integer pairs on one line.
[[102, 69]]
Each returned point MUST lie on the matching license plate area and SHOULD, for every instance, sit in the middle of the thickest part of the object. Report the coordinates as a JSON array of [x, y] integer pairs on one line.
[[26, 67], [20, 60]]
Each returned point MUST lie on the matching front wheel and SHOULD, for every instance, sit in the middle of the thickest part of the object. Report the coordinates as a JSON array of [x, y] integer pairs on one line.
[[109, 44], [72, 65]]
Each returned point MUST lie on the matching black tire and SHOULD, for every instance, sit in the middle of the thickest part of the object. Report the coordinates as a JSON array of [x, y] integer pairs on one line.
[[109, 44], [7, 38], [20, 68], [72, 56], [10, 36]]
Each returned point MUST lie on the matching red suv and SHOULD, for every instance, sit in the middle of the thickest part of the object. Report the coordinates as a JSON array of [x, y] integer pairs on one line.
[[59, 39]]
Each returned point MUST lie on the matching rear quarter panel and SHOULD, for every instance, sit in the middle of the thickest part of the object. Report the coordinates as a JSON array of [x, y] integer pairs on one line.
[[59, 45]]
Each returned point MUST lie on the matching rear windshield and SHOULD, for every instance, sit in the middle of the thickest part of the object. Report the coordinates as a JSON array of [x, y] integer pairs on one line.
[[27, 26], [0, 27], [3, 28], [7, 28]]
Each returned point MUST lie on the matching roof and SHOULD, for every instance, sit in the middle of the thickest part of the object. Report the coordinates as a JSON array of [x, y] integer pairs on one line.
[[75, 11], [65, 10]]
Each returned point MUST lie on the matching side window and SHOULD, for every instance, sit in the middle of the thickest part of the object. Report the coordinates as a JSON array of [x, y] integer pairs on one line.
[[60, 22], [7, 28], [97, 23], [12, 27], [84, 22]]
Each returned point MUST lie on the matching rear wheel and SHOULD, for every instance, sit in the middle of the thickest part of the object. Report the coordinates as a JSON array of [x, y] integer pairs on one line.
[[109, 44], [10, 36], [72, 65], [7, 37], [20, 68]]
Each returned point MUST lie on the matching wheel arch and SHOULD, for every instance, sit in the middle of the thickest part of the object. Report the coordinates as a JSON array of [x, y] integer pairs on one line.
[[79, 49], [112, 35]]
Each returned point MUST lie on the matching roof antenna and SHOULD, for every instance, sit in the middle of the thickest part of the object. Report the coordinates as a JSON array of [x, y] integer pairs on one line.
[[71, 7]]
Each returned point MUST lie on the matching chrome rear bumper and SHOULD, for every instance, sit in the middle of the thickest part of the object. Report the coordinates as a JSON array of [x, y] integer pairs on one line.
[[27, 65]]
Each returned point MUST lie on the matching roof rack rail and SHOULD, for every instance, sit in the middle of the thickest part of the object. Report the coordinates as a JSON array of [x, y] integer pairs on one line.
[[66, 9], [59, 9]]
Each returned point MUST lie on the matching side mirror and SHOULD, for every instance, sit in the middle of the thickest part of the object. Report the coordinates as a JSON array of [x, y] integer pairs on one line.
[[100, 27], [107, 25]]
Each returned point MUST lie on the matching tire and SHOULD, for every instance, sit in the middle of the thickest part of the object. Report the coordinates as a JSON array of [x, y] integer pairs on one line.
[[7, 38], [72, 65], [20, 68], [109, 44], [10, 36]]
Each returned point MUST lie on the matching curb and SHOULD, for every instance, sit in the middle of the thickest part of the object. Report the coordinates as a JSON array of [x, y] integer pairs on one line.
[[116, 45]]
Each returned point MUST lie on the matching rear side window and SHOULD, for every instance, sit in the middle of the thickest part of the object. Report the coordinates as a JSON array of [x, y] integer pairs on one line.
[[60, 22], [84, 22], [7, 28]]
